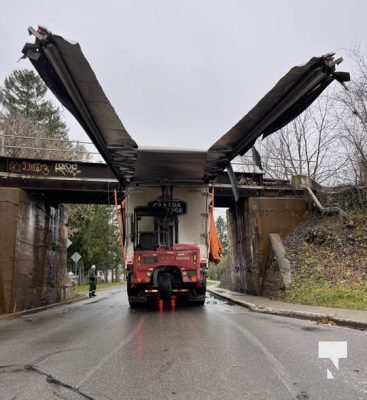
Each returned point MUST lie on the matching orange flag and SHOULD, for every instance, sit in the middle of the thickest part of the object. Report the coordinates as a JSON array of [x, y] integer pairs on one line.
[[215, 247]]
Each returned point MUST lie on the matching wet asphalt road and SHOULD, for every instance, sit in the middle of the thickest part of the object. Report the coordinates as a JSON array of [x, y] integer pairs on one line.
[[100, 349]]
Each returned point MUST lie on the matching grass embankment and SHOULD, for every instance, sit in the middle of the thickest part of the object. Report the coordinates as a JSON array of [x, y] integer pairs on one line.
[[324, 294], [84, 288], [329, 263]]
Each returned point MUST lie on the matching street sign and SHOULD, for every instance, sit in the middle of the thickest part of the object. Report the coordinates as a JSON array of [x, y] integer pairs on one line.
[[76, 257], [68, 243]]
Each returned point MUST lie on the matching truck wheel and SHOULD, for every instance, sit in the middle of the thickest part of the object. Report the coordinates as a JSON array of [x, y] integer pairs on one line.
[[128, 284], [165, 286], [199, 298], [133, 304]]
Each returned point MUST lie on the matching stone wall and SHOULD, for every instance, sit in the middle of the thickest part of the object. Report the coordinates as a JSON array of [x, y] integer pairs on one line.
[[32, 251], [260, 216], [347, 197]]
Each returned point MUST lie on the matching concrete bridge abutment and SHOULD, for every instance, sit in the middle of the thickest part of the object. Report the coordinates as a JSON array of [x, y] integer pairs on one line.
[[33, 251], [249, 229]]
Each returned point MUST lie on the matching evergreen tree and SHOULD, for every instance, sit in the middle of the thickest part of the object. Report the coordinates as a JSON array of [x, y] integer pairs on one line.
[[217, 271], [221, 225], [94, 235], [24, 94]]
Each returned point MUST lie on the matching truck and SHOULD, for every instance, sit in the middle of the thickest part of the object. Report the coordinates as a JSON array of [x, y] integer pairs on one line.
[[165, 238]]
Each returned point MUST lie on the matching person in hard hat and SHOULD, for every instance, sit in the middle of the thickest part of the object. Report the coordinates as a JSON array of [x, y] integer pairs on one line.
[[92, 276]]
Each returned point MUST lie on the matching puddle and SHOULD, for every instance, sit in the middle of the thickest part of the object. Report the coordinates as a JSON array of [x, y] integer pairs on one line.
[[211, 299]]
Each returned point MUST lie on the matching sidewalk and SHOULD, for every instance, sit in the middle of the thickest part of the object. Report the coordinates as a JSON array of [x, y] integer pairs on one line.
[[339, 316]]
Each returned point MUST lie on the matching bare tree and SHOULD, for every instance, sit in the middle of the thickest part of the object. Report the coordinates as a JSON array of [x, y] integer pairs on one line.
[[23, 138], [306, 146], [31, 126], [351, 112]]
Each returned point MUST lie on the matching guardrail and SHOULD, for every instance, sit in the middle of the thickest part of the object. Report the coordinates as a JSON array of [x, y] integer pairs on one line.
[[21, 146]]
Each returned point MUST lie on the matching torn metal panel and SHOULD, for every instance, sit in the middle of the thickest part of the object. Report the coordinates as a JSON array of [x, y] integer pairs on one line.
[[289, 98], [156, 165], [233, 180], [68, 74]]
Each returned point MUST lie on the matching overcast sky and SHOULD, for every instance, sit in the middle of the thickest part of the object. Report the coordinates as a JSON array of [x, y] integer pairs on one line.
[[182, 72]]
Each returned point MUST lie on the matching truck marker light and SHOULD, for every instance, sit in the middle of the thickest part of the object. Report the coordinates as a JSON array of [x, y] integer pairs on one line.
[[173, 303]]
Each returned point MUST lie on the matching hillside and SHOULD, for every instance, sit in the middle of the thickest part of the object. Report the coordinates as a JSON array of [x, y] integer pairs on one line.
[[329, 262]]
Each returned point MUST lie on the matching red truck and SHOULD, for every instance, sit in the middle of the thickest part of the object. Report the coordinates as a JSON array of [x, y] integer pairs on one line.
[[166, 243]]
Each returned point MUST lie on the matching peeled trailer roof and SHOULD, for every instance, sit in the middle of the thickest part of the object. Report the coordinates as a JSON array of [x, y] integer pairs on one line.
[[69, 76]]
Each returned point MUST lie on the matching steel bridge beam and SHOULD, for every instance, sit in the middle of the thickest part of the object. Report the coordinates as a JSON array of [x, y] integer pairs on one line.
[[60, 181], [94, 183]]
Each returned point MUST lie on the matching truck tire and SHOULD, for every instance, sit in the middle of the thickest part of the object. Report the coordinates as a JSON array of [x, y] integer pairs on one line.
[[165, 286], [128, 286], [133, 304], [199, 297]]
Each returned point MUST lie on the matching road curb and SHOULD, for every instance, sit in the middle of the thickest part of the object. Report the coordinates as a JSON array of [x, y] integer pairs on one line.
[[305, 315], [34, 310]]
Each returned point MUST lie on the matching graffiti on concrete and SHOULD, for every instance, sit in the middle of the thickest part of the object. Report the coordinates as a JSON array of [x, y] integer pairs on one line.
[[67, 169], [34, 168]]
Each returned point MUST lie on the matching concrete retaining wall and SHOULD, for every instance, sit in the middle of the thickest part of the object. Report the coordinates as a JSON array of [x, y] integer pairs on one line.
[[32, 251]]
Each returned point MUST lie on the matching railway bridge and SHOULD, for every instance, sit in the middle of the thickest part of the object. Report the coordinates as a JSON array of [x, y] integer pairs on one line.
[[33, 245]]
